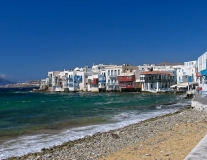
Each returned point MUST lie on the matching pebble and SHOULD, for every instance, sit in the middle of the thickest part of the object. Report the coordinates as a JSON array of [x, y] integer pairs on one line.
[[102, 144]]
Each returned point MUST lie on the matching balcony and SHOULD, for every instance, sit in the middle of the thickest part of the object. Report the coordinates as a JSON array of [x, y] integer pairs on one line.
[[94, 81], [158, 80], [113, 76], [102, 79], [126, 85], [66, 85], [126, 78], [75, 85], [112, 84], [70, 79]]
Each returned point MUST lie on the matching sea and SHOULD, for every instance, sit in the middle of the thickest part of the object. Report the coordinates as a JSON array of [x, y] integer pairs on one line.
[[30, 121]]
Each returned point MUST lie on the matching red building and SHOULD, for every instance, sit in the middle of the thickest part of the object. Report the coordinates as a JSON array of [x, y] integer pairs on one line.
[[127, 82], [94, 81]]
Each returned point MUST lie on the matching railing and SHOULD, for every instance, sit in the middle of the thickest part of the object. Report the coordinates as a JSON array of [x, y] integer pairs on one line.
[[126, 78], [101, 79], [70, 79], [113, 76], [65, 85], [112, 84], [158, 80], [73, 85]]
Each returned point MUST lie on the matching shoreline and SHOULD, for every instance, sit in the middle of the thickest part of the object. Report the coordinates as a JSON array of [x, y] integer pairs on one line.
[[102, 144]]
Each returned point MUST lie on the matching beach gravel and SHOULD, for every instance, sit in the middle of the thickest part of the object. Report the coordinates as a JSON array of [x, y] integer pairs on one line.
[[102, 144]]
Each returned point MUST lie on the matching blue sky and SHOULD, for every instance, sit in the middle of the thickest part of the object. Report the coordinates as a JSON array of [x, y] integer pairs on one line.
[[39, 36]]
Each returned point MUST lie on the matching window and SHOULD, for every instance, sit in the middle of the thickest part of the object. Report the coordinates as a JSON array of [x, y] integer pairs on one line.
[[109, 72], [112, 72], [118, 72]]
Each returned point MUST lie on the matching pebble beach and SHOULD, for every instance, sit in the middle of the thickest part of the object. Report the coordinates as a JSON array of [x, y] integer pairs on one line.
[[171, 136]]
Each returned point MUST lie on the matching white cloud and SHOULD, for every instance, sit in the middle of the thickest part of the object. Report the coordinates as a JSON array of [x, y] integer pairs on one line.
[[5, 76], [2, 76]]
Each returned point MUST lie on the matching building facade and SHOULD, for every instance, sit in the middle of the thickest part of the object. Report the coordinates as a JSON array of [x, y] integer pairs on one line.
[[202, 73], [156, 80], [186, 72], [128, 78]]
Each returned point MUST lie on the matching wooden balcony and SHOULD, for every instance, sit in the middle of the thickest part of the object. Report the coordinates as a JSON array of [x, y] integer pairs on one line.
[[94, 81], [127, 85], [126, 78]]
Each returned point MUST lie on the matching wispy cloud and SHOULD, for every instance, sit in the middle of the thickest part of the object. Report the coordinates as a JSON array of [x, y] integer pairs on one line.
[[4, 76]]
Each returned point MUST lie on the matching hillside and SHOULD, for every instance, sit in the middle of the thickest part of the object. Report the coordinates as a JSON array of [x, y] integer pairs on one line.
[[5, 82]]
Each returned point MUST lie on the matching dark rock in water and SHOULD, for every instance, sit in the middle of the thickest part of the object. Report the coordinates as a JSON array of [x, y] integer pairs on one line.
[[43, 149]]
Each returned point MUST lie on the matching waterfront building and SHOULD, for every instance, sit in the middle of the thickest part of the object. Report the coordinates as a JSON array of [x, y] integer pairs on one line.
[[44, 84], [57, 80], [102, 80], [155, 80], [100, 69], [202, 72], [78, 79], [128, 79], [93, 83], [53, 83], [186, 72], [111, 73]]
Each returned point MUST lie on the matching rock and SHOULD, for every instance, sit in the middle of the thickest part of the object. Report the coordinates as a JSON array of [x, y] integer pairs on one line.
[[168, 154], [147, 154], [114, 135]]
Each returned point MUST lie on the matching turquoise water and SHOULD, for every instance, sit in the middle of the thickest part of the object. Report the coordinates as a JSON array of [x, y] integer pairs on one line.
[[30, 121]]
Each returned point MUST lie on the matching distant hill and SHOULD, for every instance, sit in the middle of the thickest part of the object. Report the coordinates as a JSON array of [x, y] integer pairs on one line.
[[5, 82], [170, 64]]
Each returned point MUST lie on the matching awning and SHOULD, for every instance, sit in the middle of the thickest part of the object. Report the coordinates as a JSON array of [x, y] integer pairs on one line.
[[173, 86], [182, 86]]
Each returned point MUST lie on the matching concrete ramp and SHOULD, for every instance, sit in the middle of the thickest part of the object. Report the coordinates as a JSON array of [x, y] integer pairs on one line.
[[199, 152]]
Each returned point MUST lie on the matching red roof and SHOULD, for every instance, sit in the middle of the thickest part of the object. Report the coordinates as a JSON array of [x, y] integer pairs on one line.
[[156, 72]]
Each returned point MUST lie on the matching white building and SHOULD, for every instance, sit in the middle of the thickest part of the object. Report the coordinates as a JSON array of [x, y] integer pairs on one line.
[[186, 72], [78, 79], [202, 72], [53, 83], [100, 69], [155, 80], [111, 77], [93, 83]]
